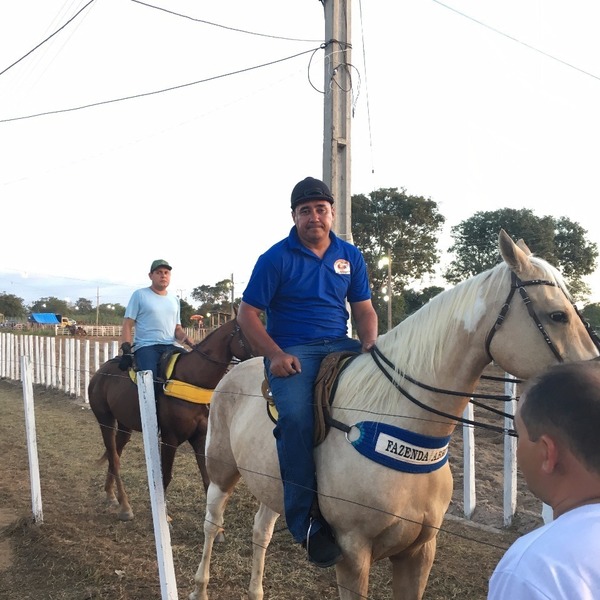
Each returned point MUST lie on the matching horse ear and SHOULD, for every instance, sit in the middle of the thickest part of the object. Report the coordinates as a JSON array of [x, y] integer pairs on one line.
[[514, 256], [235, 310], [524, 246]]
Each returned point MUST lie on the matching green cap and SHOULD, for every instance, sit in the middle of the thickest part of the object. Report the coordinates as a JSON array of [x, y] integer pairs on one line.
[[159, 262]]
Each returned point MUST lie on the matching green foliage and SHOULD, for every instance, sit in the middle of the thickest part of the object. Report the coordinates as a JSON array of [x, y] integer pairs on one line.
[[187, 310], [12, 306], [391, 223], [51, 304], [560, 241], [214, 298], [591, 313], [84, 306]]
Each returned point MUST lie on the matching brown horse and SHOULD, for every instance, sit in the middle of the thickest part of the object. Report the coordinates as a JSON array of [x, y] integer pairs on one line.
[[114, 401]]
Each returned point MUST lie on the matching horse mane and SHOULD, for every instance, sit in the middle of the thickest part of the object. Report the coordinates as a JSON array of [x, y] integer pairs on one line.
[[419, 344]]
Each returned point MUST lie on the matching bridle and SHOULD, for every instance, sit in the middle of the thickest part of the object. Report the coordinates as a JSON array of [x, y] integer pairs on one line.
[[389, 369], [243, 341], [517, 284], [245, 345]]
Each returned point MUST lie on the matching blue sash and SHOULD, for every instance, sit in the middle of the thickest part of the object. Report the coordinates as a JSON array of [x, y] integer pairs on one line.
[[401, 449]]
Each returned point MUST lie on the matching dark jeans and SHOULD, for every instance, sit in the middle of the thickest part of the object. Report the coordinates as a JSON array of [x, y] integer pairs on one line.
[[147, 358], [294, 431]]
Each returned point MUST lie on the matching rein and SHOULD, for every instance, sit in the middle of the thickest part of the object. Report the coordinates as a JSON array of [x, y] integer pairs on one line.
[[378, 357], [516, 284]]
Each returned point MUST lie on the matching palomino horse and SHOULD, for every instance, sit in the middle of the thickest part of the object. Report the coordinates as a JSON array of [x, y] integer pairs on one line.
[[399, 410], [114, 401]]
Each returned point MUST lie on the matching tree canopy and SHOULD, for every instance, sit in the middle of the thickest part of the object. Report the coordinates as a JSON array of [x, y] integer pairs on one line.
[[560, 241], [12, 306], [389, 223], [214, 298]]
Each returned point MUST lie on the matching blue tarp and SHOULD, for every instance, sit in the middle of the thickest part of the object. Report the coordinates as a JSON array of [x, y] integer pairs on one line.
[[45, 318]]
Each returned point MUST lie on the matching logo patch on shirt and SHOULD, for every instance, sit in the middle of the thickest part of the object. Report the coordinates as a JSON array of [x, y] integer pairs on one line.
[[342, 266]]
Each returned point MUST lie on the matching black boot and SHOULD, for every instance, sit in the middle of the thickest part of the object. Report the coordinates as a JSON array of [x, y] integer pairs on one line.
[[321, 546]]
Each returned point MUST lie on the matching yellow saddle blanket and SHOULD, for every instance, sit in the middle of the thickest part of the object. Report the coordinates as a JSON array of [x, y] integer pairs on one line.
[[180, 389]]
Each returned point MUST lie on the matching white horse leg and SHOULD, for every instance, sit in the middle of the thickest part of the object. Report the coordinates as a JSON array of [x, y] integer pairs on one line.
[[352, 573], [264, 522], [216, 499], [411, 572]]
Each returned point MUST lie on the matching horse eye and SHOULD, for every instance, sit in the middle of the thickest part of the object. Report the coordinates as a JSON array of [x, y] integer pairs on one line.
[[559, 316]]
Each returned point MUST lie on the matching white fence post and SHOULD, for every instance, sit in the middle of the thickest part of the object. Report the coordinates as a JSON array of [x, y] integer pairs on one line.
[[510, 454], [162, 536], [34, 468], [469, 496]]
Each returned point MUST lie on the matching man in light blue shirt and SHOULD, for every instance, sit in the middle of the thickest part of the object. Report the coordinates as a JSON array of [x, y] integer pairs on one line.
[[152, 323]]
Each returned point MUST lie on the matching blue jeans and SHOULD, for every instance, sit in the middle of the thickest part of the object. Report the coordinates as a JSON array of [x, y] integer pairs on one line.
[[147, 358], [294, 431]]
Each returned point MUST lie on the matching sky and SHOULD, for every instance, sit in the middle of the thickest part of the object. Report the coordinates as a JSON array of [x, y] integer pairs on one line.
[[477, 104]]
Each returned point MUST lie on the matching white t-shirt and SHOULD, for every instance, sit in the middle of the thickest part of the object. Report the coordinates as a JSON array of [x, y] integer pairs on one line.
[[155, 317], [559, 561]]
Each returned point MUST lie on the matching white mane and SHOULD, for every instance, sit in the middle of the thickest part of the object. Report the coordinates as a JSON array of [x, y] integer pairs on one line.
[[421, 342]]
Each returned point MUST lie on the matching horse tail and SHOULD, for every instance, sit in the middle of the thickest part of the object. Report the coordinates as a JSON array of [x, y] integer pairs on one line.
[[103, 458]]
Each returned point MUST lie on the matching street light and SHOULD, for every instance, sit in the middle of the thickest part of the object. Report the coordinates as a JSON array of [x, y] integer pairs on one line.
[[387, 260]]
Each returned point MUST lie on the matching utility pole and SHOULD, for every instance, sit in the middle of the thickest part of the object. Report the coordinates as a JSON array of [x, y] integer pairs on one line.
[[338, 88]]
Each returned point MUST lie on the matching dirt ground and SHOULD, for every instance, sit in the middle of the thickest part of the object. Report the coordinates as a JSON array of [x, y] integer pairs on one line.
[[80, 551]]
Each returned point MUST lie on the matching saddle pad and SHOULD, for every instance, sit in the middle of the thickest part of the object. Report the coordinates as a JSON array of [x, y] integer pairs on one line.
[[186, 391]]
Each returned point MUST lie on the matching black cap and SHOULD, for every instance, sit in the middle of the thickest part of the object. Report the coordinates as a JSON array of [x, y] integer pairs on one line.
[[310, 189]]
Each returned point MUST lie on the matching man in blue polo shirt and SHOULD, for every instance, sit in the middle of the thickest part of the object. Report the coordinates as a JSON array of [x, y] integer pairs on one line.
[[302, 283]]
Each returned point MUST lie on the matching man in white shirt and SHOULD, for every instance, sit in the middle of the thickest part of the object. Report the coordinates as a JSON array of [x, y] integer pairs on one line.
[[558, 451]]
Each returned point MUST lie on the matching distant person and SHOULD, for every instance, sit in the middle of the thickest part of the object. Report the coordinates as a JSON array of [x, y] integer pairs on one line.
[[302, 283], [152, 323], [558, 450]]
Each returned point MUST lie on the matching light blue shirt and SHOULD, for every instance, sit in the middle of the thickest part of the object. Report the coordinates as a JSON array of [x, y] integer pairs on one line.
[[155, 317]]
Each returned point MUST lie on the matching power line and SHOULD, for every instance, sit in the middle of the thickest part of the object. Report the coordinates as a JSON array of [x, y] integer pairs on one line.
[[518, 41], [47, 39], [275, 37], [161, 91]]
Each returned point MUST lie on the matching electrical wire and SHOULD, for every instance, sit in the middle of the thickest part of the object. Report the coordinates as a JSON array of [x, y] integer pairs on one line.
[[155, 92], [46, 39]]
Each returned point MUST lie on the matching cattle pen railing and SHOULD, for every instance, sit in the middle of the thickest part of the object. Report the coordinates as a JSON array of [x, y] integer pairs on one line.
[[68, 363]]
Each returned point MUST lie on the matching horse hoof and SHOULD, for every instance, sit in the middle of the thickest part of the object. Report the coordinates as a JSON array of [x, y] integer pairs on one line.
[[126, 516]]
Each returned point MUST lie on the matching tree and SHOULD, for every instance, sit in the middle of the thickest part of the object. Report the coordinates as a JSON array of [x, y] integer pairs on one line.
[[415, 299], [560, 241], [591, 313], [51, 304], [12, 306], [187, 310], [84, 306], [391, 223], [215, 298]]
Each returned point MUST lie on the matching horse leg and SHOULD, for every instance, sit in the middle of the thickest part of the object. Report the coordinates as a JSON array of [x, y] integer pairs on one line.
[[168, 448], [264, 522], [411, 572], [198, 443], [352, 573], [216, 500], [123, 435]]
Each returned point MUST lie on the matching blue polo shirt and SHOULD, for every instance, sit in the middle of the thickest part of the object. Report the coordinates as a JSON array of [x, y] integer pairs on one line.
[[304, 296]]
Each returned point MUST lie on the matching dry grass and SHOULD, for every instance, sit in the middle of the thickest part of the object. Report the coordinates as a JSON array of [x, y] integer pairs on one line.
[[82, 552]]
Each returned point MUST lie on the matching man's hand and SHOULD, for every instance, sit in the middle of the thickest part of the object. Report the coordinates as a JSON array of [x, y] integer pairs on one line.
[[284, 364], [126, 361]]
